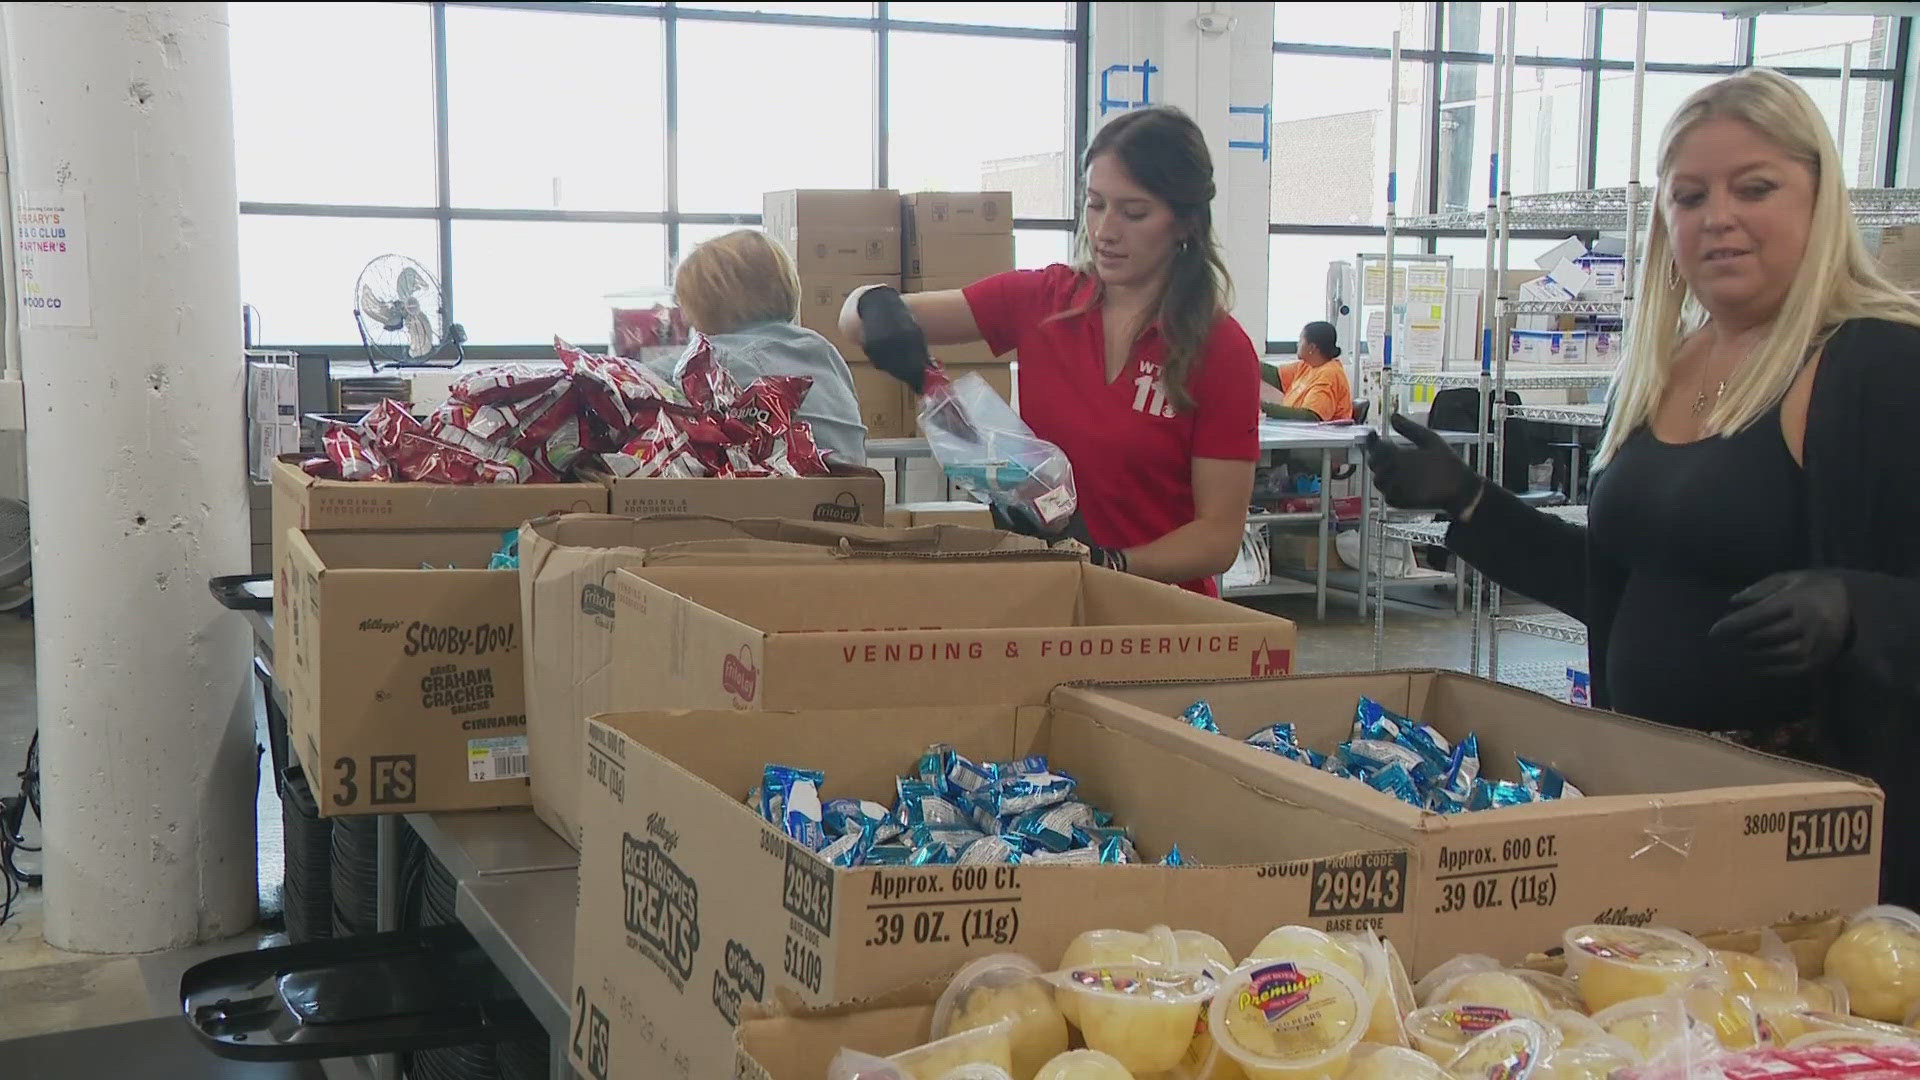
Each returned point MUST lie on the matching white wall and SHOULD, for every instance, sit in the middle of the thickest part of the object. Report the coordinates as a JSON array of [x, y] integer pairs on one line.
[[1205, 74]]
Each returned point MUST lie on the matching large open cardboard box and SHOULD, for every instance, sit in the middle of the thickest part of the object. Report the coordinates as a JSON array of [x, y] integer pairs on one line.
[[848, 495], [405, 684], [694, 911], [568, 610], [1677, 828], [880, 634]]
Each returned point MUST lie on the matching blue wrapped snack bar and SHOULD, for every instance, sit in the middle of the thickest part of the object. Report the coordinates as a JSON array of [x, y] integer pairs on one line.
[[1200, 715], [1545, 781], [1053, 828], [990, 851], [1013, 795], [1493, 794], [888, 855], [922, 804], [1396, 781], [847, 850], [800, 816], [1174, 858]]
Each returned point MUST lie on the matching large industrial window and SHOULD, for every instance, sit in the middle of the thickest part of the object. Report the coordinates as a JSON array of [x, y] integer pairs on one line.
[[537, 157], [1573, 98]]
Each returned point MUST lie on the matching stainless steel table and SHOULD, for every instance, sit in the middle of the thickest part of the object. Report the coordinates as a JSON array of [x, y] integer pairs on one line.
[[518, 890]]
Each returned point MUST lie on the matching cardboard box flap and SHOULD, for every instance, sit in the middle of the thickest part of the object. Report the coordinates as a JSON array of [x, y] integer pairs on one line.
[[309, 502], [1507, 721], [797, 1048], [406, 550], [882, 596], [1124, 600]]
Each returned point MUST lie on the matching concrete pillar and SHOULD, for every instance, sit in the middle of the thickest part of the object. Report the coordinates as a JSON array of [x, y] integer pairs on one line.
[[1215, 61], [121, 114]]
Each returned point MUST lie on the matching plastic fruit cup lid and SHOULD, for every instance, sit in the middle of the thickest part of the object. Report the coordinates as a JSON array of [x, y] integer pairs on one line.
[[996, 971], [1289, 1014], [1649, 947], [1888, 913], [1513, 1049], [1455, 1024]]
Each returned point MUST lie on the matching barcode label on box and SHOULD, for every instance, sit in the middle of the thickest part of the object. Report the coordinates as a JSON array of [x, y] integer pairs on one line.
[[503, 758]]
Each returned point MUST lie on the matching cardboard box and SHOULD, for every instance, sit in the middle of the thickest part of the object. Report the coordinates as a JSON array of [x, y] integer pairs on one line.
[[884, 403], [1678, 829], [988, 213], [869, 636], [836, 232], [1548, 346], [405, 685], [965, 513], [567, 610], [972, 256], [846, 495], [972, 353], [273, 414], [1899, 255], [305, 502], [693, 910], [823, 295]]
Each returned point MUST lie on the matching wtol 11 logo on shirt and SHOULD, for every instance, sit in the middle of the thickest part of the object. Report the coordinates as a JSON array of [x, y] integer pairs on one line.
[[662, 910]]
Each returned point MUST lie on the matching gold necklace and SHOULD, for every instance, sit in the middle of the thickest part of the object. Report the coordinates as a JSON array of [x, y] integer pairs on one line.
[[1700, 402]]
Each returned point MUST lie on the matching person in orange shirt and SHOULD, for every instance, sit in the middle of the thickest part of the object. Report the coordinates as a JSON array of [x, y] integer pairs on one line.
[[1313, 387]]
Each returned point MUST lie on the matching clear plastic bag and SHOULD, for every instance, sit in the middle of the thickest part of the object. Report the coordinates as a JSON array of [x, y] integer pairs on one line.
[[986, 449]]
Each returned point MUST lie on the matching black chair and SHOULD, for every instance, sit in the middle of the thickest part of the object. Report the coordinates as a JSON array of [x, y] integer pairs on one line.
[[1455, 410]]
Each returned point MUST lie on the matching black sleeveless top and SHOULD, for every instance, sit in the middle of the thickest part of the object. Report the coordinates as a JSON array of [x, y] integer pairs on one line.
[[1692, 524]]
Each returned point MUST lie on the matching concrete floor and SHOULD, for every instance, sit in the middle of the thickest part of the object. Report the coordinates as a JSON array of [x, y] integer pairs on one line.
[[44, 990]]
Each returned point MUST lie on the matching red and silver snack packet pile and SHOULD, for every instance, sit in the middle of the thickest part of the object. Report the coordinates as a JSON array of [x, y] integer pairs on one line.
[[521, 424], [720, 429]]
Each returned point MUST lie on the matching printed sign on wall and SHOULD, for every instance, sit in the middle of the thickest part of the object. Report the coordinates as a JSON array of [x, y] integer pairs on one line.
[[51, 238]]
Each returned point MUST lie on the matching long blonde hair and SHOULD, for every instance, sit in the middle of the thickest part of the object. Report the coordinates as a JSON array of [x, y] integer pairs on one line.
[[1837, 280]]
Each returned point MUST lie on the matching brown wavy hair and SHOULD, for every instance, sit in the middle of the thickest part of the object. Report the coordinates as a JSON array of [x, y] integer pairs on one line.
[[1164, 152]]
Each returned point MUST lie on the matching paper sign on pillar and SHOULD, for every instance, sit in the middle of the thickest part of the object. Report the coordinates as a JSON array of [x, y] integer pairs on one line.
[[1675, 828], [567, 564], [695, 912]]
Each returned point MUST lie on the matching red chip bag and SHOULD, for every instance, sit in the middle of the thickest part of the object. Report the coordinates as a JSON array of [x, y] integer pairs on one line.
[[505, 383], [705, 380], [777, 440], [424, 459], [386, 423], [663, 450], [352, 454]]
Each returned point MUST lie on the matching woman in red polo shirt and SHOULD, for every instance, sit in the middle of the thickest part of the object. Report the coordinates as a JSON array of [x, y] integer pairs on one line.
[[1129, 361]]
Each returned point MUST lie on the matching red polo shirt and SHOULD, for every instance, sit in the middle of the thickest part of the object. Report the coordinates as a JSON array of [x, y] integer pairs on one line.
[[1132, 454]]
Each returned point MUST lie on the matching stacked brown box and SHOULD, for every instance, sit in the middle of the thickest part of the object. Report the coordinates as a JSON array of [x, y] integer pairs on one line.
[[954, 239], [841, 240]]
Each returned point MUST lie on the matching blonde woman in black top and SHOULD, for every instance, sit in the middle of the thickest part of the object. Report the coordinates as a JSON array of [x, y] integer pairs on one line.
[[1753, 562]]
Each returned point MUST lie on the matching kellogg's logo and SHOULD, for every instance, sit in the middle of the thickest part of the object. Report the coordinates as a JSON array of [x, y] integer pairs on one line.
[[662, 906], [738, 676], [1278, 989], [844, 509]]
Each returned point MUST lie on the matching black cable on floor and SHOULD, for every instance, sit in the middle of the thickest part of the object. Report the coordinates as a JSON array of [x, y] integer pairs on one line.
[[13, 816]]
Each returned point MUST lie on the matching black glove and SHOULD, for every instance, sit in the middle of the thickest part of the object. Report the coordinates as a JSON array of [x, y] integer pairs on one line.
[[892, 340], [1018, 519], [1794, 623], [1428, 476]]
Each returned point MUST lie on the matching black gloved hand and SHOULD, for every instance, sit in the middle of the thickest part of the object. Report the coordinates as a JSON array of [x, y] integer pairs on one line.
[[1427, 476], [891, 338], [1794, 623], [1018, 519]]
